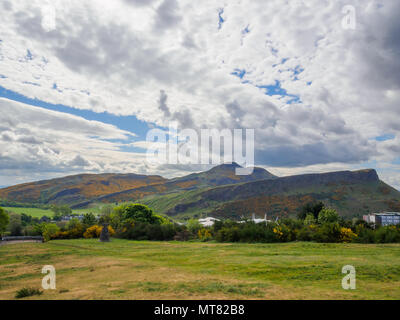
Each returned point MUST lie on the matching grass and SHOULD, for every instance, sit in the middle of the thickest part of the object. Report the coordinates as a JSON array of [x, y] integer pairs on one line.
[[34, 212], [27, 292], [38, 213], [122, 269]]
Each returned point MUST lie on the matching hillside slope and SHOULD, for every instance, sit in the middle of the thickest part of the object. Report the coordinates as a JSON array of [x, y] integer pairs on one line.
[[72, 189], [80, 190], [351, 193]]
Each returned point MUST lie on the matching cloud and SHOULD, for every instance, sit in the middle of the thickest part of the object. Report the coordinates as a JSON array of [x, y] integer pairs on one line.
[[167, 60]]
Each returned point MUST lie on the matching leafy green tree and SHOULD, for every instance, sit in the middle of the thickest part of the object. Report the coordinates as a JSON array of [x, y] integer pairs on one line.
[[313, 208], [89, 219], [194, 226], [4, 220], [15, 224], [309, 220], [60, 211], [49, 230], [141, 213], [328, 216]]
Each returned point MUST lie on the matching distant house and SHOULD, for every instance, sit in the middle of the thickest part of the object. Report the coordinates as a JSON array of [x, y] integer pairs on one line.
[[383, 219], [44, 219], [256, 220], [69, 218], [208, 222]]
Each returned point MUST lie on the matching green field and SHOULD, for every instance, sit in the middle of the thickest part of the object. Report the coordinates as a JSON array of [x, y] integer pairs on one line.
[[38, 213], [34, 212], [122, 269]]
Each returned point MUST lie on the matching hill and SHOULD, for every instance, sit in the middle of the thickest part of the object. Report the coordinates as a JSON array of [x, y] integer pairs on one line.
[[351, 193], [81, 190], [217, 192], [77, 188]]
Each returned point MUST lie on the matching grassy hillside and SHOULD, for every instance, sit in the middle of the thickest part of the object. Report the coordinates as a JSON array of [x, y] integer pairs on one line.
[[34, 212], [351, 193], [121, 269], [80, 191], [77, 188]]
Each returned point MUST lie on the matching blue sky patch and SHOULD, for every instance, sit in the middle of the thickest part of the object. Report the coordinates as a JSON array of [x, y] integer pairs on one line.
[[385, 137], [128, 123]]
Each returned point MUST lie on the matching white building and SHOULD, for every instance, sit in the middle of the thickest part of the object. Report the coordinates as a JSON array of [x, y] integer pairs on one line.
[[208, 222], [256, 220]]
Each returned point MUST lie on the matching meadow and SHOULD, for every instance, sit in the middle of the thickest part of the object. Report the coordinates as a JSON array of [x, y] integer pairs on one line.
[[38, 213], [34, 212], [124, 269]]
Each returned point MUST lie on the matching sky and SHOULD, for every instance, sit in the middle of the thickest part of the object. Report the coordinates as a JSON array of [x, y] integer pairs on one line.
[[82, 82]]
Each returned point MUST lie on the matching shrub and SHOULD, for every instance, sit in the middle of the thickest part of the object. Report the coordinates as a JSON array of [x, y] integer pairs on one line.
[[310, 220], [347, 235], [306, 233], [388, 234], [15, 224], [146, 231], [183, 235], [49, 230], [365, 235], [328, 232], [328, 216], [95, 231], [204, 234], [4, 220], [27, 292], [194, 226]]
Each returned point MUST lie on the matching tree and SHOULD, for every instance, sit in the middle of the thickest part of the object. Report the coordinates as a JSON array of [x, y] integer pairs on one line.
[[15, 224], [141, 213], [60, 211], [4, 220], [49, 230], [194, 226], [313, 208], [327, 216], [89, 219], [309, 220]]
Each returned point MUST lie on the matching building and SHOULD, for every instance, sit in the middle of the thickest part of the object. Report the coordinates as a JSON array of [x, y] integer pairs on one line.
[[383, 219], [256, 220], [70, 217], [208, 222]]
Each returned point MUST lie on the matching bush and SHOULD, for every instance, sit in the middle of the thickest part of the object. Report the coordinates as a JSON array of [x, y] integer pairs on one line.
[[4, 220], [15, 225], [347, 235], [204, 234], [328, 232], [49, 230], [92, 232], [388, 234], [146, 231], [183, 235], [194, 226], [27, 292], [365, 235], [306, 233], [328, 216]]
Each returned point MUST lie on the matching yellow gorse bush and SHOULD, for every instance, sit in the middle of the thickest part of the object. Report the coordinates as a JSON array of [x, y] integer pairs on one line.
[[94, 232], [204, 234], [278, 231], [347, 235]]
